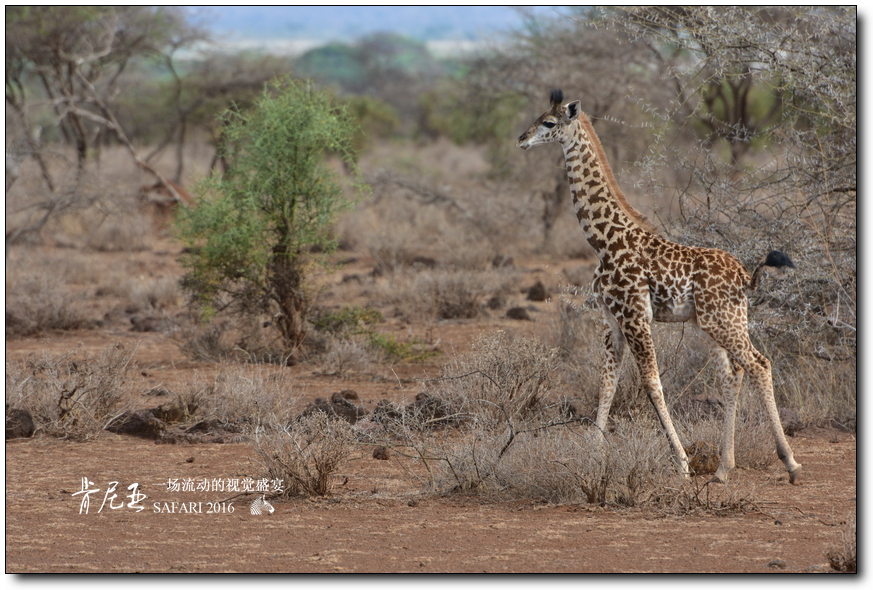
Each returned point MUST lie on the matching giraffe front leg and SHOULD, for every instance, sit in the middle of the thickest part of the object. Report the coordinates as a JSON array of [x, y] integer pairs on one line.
[[613, 345], [643, 349]]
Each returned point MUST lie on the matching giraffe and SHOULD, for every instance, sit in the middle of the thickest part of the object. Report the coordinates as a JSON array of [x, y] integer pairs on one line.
[[643, 277]]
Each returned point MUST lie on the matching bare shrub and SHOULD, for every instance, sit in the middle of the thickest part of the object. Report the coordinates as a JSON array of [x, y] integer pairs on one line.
[[307, 454], [123, 232], [231, 337], [451, 295], [683, 359], [504, 378], [157, 294], [70, 395], [211, 343], [562, 465], [345, 355]]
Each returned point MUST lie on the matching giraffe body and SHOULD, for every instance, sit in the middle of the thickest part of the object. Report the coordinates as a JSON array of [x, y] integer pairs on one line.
[[643, 277]]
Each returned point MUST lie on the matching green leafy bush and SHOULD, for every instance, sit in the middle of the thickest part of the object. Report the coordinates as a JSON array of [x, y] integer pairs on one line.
[[256, 228]]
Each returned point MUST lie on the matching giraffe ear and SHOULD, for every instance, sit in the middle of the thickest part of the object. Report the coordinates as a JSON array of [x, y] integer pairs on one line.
[[572, 109]]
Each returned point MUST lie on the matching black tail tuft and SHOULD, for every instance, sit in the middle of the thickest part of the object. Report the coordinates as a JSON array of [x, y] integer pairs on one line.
[[778, 259], [557, 96]]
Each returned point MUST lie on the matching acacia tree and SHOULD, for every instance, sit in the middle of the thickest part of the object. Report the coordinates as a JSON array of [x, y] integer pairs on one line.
[[63, 68], [255, 227], [77, 55]]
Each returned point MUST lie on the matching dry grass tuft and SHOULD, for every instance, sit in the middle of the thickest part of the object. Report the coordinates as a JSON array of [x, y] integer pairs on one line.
[[252, 396], [43, 304], [307, 455]]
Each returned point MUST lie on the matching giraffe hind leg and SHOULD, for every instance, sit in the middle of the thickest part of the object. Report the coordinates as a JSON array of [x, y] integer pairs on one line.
[[758, 368], [731, 378]]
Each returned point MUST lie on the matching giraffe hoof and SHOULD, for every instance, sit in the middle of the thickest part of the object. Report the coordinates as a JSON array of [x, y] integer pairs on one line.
[[794, 475]]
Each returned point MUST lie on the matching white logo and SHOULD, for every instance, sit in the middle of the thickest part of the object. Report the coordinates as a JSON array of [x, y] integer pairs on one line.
[[261, 505]]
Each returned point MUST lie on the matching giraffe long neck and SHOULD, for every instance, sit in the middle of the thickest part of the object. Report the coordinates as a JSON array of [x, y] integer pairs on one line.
[[604, 214]]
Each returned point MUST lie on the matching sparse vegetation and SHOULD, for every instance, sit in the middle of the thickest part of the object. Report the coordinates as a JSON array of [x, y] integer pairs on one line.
[[307, 455], [257, 399], [741, 150], [844, 556], [70, 395]]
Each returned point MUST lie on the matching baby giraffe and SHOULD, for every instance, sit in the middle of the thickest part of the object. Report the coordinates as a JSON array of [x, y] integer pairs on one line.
[[644, 277]]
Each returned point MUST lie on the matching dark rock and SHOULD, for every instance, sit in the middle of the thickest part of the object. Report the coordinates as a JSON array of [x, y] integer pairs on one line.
[[215, 426], [141, 423], [423, 261], [430, 410], [386, 411], [569, 409], [791, 422], [496, 302], [518, 313], [345, 394], [357, 278], [425, 412], [19, 423], [339, 405], [537, 292], [147, 324], [502, 261], [172, 412]]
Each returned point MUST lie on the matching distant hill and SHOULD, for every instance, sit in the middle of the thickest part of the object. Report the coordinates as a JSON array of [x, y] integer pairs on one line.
[[325, 23]]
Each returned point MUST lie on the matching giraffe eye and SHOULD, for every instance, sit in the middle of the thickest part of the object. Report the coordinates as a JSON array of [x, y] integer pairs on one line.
[[548, 124]]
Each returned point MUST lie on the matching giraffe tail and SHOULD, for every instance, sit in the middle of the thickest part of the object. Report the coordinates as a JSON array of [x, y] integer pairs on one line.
[[775, 259]]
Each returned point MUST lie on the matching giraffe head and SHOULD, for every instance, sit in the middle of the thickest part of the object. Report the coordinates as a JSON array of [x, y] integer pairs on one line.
[[552, 126]]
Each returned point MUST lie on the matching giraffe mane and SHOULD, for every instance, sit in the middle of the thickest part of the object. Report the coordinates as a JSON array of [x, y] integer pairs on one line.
[[635, 215]]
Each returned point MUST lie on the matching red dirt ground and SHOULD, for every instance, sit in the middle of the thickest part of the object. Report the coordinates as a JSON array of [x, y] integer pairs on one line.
[[380, 521]]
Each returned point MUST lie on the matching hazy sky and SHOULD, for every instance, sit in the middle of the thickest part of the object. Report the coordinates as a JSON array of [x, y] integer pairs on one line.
[[345, 22]]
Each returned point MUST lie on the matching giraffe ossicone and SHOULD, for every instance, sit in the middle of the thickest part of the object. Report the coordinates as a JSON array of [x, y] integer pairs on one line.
[[643, 277]]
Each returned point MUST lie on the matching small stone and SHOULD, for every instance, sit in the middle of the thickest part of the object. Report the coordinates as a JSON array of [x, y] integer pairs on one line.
[[19, 423], [518, 313], [537, 292], [777, 563]]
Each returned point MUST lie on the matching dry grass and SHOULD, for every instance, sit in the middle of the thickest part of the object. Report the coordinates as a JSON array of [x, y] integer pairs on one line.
[[442, 294], [307, 455], [432, 227], [71, 395], [505, 378], [42, 303], [562, 464], [252, 396]]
